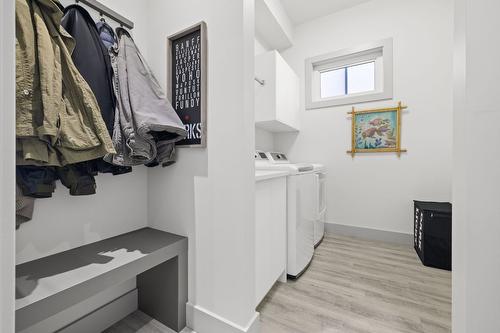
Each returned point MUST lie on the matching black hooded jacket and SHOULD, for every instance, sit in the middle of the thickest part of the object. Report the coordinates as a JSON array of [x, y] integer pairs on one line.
[[91, 57]]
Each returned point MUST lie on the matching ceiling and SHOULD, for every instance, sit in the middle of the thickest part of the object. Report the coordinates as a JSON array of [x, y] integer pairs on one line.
[[301, 11]]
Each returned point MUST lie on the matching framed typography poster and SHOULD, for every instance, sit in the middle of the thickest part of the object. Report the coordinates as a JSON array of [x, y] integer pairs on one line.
[[187, 82]]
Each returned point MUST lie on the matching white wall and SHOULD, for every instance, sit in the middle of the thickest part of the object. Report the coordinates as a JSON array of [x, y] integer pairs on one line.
[[64, 222], [7, 167], [272, 24], [171, 195], [120, 205], [264, 140], [260, 47], [280, 15], [376, 191], [476, 213], [209, 194]]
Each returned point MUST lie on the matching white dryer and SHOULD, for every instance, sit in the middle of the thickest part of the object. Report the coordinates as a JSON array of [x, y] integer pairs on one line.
[[302, 211], [320, 203]]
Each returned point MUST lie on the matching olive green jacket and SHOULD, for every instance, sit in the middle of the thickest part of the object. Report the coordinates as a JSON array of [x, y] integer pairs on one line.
[[58, 118]]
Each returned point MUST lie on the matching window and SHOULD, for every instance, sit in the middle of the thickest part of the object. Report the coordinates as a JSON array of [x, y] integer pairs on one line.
[[351, 76], [348, 80]]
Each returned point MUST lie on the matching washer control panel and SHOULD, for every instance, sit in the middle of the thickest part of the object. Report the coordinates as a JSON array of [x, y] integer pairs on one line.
[[260, 156], [277, 158]]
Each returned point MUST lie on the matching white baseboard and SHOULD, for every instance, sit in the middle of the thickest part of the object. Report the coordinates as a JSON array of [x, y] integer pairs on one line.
[[369, 234], [203, 321]]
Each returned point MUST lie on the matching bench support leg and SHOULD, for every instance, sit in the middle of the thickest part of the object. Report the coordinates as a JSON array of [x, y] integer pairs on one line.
[[163, 292]]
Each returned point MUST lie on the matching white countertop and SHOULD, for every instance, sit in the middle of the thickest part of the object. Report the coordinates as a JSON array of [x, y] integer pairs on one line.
[[261, 175]]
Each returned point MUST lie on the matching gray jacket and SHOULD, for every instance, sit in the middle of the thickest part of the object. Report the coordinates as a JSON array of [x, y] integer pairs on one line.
[[146, 125]]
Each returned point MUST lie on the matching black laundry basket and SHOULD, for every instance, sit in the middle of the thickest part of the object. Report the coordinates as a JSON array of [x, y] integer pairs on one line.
[[432, 233]]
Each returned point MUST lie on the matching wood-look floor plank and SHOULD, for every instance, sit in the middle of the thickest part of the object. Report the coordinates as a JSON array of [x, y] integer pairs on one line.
[[354, 285], [139, 322]]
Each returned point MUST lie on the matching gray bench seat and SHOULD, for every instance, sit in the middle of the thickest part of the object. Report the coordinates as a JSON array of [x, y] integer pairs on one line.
[[49, 285]]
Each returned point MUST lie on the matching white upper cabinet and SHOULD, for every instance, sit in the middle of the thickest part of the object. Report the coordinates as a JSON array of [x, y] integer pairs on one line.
[[277, 101]]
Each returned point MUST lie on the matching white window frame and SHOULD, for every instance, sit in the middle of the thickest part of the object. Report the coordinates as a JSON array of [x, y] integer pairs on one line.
[[380, 51]]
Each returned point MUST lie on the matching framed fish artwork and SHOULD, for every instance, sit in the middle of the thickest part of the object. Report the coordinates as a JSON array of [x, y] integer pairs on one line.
[[376, 130]]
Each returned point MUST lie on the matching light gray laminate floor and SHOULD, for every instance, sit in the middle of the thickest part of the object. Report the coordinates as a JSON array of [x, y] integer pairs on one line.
[[352, 286], [139, 322], [355, 285]]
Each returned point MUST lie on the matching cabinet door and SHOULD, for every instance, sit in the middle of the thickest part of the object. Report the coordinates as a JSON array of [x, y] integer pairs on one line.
[[270, 228]]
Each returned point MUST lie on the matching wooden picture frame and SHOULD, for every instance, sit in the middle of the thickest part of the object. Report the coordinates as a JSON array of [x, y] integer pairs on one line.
[[187, 81], [376, 130]]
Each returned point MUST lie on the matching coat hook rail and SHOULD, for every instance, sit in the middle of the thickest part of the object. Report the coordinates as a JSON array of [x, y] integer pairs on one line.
[[105, 10], [261, 82]]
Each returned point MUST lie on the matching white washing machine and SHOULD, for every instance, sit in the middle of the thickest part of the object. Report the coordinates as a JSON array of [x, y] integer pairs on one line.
[[302, 212]]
